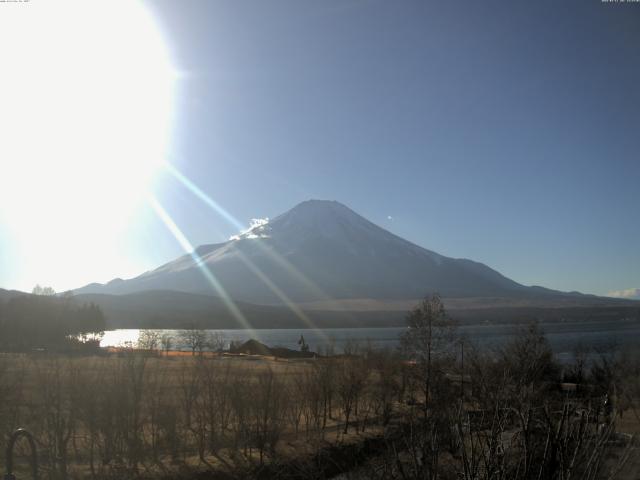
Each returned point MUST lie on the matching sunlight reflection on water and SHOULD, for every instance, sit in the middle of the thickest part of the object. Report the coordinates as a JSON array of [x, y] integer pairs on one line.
[[563, 337]]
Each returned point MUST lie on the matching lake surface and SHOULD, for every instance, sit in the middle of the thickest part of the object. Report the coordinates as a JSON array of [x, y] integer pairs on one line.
[[563, 337]]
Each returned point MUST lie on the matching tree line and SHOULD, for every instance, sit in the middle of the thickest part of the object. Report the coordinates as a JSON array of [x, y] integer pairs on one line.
[[48, 321]]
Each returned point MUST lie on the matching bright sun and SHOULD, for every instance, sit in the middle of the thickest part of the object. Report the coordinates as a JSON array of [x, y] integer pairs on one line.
[[85, 107]]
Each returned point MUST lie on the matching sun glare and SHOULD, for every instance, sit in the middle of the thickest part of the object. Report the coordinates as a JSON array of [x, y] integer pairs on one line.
[[85, 107]]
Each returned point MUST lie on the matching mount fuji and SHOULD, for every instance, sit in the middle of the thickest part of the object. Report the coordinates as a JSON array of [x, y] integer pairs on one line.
[[317, 253]]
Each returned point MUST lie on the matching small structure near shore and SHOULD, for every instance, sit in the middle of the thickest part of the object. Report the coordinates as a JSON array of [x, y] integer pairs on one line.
[[254, 347]]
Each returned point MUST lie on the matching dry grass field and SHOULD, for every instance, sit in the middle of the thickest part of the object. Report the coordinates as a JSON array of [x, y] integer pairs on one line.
[[143, 414], [131, 412]]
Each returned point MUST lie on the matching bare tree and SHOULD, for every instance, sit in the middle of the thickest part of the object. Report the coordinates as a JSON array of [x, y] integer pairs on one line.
[[12, 375], [268, 409], [297, 396], [429, 334], [166, 341], [149, 340], [56, 381], [352, 377], [214, 341], [190, 385], [325, 376], [194, 339], [386, 382], [310, 385]]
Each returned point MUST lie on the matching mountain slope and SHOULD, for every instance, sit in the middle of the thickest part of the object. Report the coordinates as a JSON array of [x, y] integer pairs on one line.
[[6, 295], [167, 309], [322, 250], [170, 309]]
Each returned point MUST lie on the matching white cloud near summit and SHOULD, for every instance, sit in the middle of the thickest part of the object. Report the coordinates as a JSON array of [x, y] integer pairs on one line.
[[255, 230], [628, 293]]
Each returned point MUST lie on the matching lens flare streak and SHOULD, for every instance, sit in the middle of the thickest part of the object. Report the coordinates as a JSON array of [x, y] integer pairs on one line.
[[283, 263], [203, 196], [265, 249], [188, 248], [279, 293]]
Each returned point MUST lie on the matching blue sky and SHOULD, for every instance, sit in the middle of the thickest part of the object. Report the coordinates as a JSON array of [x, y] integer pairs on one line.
[[505, 132]]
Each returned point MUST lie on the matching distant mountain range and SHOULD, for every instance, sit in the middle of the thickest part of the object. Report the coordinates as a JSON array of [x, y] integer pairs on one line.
[[321, 262]]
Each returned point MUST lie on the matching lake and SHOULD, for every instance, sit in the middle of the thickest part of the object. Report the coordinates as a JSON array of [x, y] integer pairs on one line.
[[563, 337]]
